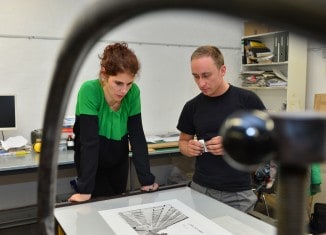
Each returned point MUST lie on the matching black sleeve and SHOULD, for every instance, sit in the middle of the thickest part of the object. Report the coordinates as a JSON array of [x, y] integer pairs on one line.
[[254, 101], [86, 152], [185, 122], [139, 150]]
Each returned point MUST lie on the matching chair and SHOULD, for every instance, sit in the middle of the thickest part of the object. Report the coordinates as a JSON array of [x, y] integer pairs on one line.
[[264, 185]]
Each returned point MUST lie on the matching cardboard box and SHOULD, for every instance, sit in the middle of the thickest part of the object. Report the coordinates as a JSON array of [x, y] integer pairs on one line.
[[320, 102], [253, 28]]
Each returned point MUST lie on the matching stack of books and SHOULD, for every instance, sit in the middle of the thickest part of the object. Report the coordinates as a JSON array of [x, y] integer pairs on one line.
[[273, 78], [257, 52], [264, 57], [252, 79]]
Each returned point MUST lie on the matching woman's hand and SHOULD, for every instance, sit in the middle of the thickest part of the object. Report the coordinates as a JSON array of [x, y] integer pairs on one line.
[[77, 197], [150, 188]]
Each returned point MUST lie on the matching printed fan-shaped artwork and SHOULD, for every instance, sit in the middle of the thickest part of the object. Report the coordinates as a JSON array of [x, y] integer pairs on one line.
[[153, 219], [170, 217]]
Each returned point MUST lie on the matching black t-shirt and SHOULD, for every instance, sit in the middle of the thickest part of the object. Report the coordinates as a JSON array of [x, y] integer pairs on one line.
[[203, 116]]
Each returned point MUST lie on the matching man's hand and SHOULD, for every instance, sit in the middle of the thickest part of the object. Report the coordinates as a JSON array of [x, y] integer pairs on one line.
[[189, 146], [149, 188], [77, 197], [194, 148], [215, 145]]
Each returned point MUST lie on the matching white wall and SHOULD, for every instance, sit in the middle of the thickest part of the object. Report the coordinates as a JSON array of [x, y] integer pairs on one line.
[[31, 35], [316, 73]]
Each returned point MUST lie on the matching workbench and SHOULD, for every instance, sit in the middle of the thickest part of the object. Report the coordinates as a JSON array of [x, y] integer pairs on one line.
[[18, 179], [85, 219]]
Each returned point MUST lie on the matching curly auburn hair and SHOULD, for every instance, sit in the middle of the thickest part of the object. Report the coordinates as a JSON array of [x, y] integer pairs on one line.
[[118, 58]]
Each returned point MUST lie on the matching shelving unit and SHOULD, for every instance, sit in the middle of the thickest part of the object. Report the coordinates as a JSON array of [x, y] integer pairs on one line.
[[294, 68]]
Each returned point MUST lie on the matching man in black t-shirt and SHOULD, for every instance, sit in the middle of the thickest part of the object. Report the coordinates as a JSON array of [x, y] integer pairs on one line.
[[200, 122]]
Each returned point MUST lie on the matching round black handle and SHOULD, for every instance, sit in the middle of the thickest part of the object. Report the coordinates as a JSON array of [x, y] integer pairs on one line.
[[248, 139]]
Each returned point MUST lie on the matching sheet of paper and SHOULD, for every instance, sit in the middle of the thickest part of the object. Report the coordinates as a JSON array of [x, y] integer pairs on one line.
[[166, 217], [279, 74], [171, 138], [236, 226], [153, 138], [14, 142]]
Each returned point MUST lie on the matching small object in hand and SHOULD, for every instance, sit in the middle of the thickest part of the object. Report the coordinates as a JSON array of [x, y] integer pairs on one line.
[[203, 143]]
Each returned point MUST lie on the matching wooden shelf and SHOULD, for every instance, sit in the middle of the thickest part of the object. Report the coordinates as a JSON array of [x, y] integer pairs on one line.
[[266, 88], [263, 35], [267, 64]]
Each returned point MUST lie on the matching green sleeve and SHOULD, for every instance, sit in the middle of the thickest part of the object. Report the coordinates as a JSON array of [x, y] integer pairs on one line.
[[315, 179], [89, 98]]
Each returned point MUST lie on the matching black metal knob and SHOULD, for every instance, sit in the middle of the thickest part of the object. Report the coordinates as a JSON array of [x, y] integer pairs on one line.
[[248, 139]]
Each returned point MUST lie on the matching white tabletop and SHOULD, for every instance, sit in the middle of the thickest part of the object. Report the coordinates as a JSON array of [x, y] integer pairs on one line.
[[30, 161], [84, 219]]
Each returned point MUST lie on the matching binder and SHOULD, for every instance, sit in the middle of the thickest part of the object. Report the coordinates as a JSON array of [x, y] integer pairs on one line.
[[282, 50], [276, 49], [243, 51], [286, 46]]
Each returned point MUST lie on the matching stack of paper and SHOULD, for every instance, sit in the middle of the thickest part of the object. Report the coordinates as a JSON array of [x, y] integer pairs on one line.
[[17, 142]]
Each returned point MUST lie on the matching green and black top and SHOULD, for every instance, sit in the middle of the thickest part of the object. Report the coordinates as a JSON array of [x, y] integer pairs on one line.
[[102, 135]]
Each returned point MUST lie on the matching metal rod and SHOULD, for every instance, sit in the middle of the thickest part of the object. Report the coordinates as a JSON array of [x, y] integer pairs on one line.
[[291, 200]]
